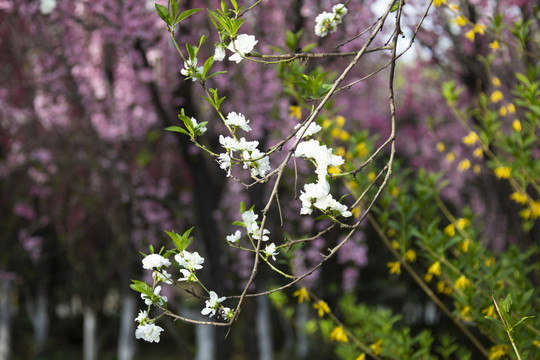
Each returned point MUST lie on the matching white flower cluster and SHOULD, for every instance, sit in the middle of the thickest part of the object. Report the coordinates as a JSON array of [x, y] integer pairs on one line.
[[242, 45], [253, 229], [327, 22], [191, 70], [254, 159], [318, 194], [147, 329]]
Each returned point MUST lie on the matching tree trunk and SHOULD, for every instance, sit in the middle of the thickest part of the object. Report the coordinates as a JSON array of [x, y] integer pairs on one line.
[[6, 283], [37, 311], [204, 335], [89, 334], [264, 329], [302, 347], [126, 338]]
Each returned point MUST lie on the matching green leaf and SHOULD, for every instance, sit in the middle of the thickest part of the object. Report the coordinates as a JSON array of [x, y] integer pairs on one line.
[[163, 13], [177, 129], [141, 287], [185, 14], [207, 65], [242, 207], [176, 239], [234, 4]]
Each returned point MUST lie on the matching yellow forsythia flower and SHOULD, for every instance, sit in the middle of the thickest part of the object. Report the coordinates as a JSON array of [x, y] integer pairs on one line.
[[536, 343], [438, 3], [494, 45], [450, 157], [489, 262], [340, 120], [462, 223], [390, 233], [340, 151], [435, 269], [301, 294], [516, 125], [497, 352], [453, 7], [489, 311], [496, 96], [511, 108], [464, 246], [464, 165], [462, 282], [361, 357], [503, 172], [470, 139], [326, 123], [410, 255], [394, 192], [371, 176], [335, 133], [394, 266], [361, 149], [534, 206], [476, 169], [461, 21], [479, 28], [440, 147], [333, 170], [519, 197], [466, 313], [478, 152], [376, 347], [470, 35], [450, 230], [502, 111], [441, 286], [356, 211], [496, 82], [338, 334], [322, 308], [295, 111], [344, 136]]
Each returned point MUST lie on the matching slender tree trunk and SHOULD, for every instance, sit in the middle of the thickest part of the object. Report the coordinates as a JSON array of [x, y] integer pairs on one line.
[[90, 346], [6, 284], [126, 338], [264, 329], [37, 310], [206, 343], [302, 347]]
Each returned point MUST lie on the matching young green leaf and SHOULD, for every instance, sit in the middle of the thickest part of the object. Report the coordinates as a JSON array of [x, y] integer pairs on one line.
[[163, 13]]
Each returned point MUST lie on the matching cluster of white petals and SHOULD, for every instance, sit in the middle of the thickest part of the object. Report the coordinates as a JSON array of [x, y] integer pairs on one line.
[[219, 53], [234, 119], [212, 304], [194, 122], [249, 218], [318, 194], [234, 238], [258, 164], [191, 261], [158, 299], [154, 261], [148, 332], [312, 129], [270, 250], [191, 69], [327, 22], [242, 45], [162, 276]]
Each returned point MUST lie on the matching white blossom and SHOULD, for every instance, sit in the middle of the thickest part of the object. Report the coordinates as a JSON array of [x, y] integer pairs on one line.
[[190, 261], [258, 167], [313, 128], [227, 313], [212, 304], [47, 6], [234, 238], [224, 160], [324, 23], [270, 250], [162, 276], [194, 122], [242, 45], [249, 217], [154, 261], [142, 317], [219, 53], [148, 332], [191, 69], [339, 11], [160, 300], [234, 119], [189, 276]]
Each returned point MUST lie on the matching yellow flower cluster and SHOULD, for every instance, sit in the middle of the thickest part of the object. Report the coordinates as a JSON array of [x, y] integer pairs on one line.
[[322, 308], [442, 288], [395, 267], [503, 172], [301, 294], [338, 334], [497, 352], [462, 283], [434, 269]]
